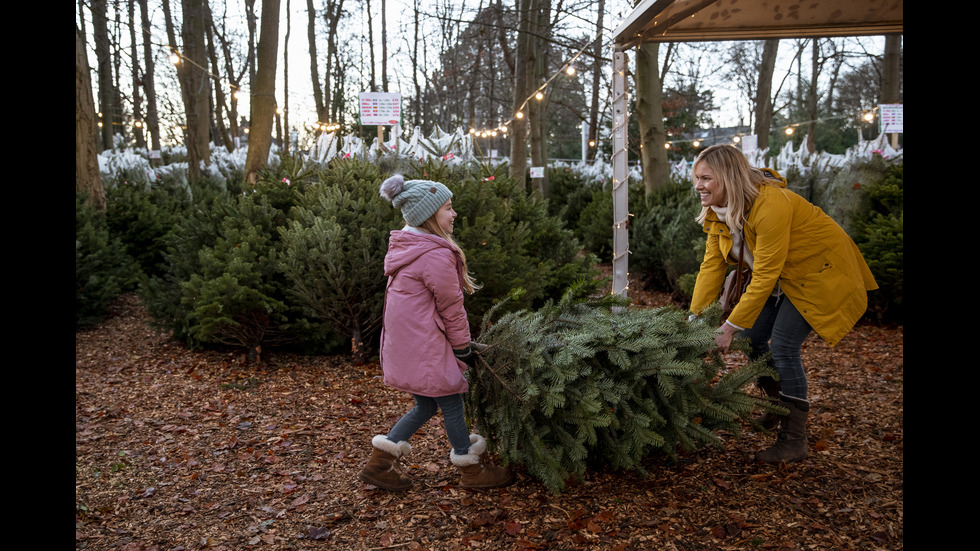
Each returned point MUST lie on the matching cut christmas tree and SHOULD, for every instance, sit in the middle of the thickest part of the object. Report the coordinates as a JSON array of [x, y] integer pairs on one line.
[[593, 381]]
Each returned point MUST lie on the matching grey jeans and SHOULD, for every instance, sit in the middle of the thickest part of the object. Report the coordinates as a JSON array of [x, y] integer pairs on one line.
[[425, 408]]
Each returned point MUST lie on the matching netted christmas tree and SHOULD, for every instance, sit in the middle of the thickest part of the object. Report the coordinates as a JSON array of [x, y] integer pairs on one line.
[[593, 381]]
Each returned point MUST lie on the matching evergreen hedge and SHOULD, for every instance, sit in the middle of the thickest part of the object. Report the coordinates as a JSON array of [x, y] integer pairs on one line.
[[298, 260], [666, 242], [879, 230], [103, 270]]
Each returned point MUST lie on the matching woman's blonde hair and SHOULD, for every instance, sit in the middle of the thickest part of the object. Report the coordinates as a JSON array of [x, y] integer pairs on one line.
[[739, 181], [469, 284]]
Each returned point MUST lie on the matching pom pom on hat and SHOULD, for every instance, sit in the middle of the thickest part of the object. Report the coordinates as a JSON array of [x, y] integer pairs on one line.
[[392, 187], [417, 199]]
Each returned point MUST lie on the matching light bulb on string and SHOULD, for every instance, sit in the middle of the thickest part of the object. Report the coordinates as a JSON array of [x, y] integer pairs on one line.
[[539, 96]]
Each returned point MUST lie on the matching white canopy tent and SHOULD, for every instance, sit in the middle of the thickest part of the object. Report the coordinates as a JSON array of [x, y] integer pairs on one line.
[[711, 20]]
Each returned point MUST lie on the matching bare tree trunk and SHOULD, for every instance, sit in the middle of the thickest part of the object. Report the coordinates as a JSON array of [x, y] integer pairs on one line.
[[650, 116], [220, 104], [332, 107], [234, 79], [763, 101], [518, 132], [891, 75], [287, 140], [314, 69], [264, 93], [417, 112], [374, 81], [384, 46], [891, 69], [117, 112], [537, 62], [100, 33], [596, 80], [87, 177], [137, 101], [198, 94], [152, 119], [811, 96], [194, 82], [250, 15]]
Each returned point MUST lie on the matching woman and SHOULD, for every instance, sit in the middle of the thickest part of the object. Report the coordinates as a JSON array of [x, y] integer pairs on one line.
[[807, 274], [425, 336]]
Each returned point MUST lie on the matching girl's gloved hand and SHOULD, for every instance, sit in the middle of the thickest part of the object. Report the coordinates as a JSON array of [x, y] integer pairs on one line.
[[466, 355]]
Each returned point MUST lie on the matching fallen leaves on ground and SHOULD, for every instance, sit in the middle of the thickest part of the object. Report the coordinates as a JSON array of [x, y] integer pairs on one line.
[[181, 450]]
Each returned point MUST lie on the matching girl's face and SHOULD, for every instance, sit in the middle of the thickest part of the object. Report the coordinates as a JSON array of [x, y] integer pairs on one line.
[[712, 195], [445, 216]]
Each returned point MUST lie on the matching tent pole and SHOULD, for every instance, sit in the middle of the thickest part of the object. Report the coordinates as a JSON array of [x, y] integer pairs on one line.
[[620, 188]]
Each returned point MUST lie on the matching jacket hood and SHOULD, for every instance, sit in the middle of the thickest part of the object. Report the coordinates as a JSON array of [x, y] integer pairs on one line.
[[404, 247], [774, 177]]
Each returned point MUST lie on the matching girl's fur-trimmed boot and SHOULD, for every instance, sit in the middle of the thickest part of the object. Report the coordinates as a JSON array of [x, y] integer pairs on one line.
[[475, 473], [791, 442], [382, 468]]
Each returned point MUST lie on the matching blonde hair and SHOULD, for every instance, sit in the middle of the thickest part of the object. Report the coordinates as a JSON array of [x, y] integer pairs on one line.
[[469, 284], [738, 180]]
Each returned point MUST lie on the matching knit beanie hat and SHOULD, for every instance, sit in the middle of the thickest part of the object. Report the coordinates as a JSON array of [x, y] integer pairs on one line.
[[417, 199]]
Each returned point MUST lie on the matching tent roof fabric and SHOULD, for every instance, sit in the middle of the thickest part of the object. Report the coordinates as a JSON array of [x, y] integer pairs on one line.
[[707, 20]]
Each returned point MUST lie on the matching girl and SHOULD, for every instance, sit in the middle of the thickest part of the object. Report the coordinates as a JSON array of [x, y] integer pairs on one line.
[[806, 273], [425, 336]]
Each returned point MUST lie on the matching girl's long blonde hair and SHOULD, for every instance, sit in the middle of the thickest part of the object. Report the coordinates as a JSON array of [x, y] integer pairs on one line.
[[738, 180], [469, 284]]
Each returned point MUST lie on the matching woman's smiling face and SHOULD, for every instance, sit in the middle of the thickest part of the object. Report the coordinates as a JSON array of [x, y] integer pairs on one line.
[[705, 183]]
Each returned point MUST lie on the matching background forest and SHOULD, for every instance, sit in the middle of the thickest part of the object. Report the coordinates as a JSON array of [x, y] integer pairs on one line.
[[195, 72]]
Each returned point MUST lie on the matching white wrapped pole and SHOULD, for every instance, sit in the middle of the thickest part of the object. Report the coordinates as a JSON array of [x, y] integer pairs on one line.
[[620, 189]]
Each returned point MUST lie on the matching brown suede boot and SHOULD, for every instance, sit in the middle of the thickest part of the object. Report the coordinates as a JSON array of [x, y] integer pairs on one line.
[[791, 442], [770, 387], [382, 468], [477, 474]]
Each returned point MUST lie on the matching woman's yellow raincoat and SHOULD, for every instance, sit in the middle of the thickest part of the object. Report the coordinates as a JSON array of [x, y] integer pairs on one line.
[[816, 263]]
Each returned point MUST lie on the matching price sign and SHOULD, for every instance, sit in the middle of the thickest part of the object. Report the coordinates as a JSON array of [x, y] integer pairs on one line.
[[890, 118], [380, 108]]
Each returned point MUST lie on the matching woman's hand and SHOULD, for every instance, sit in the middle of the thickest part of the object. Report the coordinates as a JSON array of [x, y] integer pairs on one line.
[[724, 337]]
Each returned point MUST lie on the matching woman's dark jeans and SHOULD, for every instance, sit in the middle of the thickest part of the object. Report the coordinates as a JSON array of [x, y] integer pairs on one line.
[[781, 329]]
